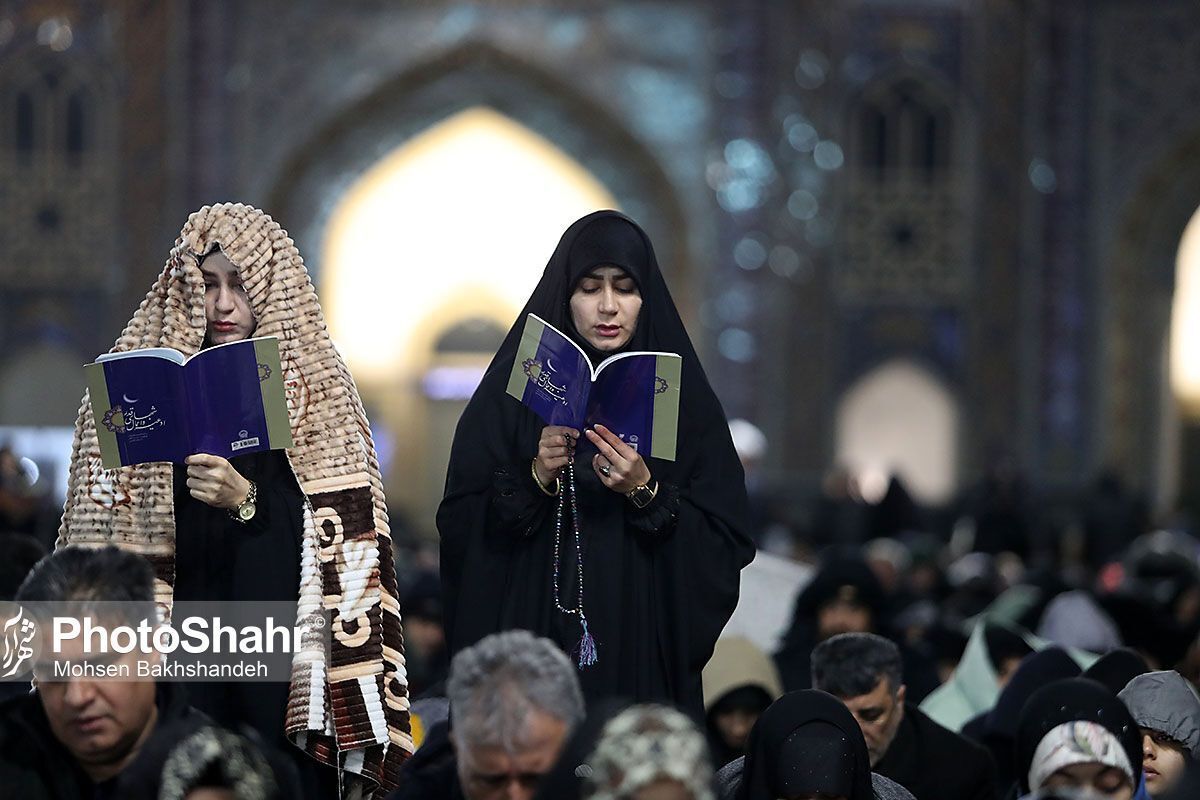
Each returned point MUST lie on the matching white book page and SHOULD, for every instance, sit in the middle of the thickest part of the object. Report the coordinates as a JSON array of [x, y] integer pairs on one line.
[[597, 369], [619, 356], [169, 353], [226, 344]]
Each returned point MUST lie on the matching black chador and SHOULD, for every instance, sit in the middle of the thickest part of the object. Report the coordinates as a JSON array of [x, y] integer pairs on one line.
[[659, 582]]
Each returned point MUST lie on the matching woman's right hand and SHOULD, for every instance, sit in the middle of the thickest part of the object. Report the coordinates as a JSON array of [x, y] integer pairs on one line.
[[553, 450]]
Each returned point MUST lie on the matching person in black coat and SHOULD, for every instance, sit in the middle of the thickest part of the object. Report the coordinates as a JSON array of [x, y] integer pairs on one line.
[[651, 574], [844, 596], [91, 737], [432, 772], [866, 672], [996, 729]]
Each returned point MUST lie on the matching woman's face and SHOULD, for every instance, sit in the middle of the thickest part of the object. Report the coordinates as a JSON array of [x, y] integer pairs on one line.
[[1163, 761], [734, 726], [1105, 780], [226, 306], [605, 307]]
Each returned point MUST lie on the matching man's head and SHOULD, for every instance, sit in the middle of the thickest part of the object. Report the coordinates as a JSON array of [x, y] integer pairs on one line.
[[101, 722], [865, 671], [514, 698]]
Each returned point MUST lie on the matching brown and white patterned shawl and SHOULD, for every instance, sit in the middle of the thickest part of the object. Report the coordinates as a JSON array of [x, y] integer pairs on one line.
[[351, 712]]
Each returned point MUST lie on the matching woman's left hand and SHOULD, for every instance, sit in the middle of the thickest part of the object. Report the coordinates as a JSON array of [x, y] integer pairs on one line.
[[213, 480], [626, 469]]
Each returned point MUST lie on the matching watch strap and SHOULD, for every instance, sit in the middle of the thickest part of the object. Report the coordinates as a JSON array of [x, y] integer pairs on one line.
[[251, 500], [637, 494]]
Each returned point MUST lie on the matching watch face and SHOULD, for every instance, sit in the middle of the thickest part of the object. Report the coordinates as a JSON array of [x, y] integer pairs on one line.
[[641, 496], [246, 511]]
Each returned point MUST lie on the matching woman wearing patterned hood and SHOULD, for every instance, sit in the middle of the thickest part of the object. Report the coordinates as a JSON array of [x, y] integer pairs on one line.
[[215, 763], [649, 753], [318, 534], [1074, 734], [651, 573]]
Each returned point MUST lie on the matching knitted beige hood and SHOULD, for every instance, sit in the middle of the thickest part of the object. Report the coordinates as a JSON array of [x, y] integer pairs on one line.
[[353, 711]]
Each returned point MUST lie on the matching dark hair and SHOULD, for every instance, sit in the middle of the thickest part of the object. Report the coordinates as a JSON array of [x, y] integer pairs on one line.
[[852, 664], [751, 699], [1004, 644], [92, 575], [18, 553]]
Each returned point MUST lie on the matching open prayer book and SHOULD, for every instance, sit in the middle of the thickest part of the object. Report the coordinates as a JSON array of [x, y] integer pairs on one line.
[[635, 395], [156, 404]]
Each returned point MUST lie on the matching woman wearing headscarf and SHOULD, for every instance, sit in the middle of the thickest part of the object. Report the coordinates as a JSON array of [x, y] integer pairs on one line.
[[807, 744], [311, 524], [656, 563], [740, 682], [844, 596], [1116, 669], [1074, 734]]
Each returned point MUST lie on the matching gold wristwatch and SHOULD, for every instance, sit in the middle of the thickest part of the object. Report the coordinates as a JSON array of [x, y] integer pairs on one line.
[[641, 496], [244, 512]]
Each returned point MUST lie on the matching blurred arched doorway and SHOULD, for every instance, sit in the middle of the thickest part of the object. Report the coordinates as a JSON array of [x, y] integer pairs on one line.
[[426, 260], [1180, 412], [900, 419]]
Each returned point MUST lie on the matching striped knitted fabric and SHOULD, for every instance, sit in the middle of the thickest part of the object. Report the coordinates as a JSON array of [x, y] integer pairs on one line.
[[351, 711]]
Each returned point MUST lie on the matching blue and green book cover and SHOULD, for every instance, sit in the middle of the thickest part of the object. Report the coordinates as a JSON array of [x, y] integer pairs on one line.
[[156, 404], [635, 395]]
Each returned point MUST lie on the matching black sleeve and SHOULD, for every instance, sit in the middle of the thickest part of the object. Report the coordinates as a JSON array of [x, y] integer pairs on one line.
[[977, 770], [660, 514], [278, 501], [985, 781], [518, 507]]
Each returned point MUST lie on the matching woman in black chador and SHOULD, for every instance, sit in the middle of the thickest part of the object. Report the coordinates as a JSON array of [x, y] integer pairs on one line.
[[661, 542]]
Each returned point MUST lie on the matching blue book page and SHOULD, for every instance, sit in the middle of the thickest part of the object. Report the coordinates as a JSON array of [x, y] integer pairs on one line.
[[623, 400], [225, 401], [148, 408], [554, 375]]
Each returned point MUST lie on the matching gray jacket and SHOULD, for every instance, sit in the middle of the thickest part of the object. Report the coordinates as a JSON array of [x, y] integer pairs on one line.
[[729, 778], [1167, 703]]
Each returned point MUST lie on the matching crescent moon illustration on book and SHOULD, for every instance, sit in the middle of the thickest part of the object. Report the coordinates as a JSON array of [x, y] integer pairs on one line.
[[550, 365], [128, 399]]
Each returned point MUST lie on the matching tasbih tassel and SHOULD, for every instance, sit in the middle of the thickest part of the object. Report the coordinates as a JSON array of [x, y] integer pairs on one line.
[[586, 650]]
